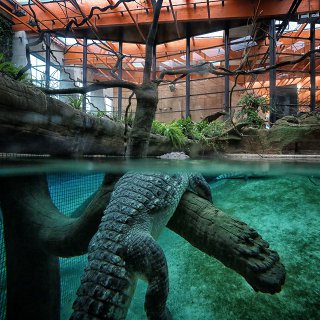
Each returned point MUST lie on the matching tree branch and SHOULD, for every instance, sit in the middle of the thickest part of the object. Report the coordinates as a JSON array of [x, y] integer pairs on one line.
[[93, 87], [151, 40], [89, 16], [207, 67]]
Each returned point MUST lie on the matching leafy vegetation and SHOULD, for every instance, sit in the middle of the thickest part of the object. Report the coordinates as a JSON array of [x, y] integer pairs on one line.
[[172, 131], [186, 126], [251, 105], [76, 103], [8, 68], [121, 119], [6, 35], [178, 131], [214, 129]]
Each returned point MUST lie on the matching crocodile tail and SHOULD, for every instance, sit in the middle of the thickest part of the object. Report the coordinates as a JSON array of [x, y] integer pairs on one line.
[[106, 287]]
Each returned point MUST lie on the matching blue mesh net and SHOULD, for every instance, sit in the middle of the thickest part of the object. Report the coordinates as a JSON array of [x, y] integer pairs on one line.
[[68, 191]]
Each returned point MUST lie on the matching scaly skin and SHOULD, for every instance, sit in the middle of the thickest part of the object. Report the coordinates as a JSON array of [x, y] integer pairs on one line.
[[124, 246]]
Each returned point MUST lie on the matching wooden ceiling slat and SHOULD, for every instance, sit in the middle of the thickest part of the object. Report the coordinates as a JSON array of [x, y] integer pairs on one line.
[[185, 12]]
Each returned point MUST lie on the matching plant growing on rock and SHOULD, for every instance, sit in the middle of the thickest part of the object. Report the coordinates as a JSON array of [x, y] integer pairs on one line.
[[76, 103], [8, 68], [172, 131], [178, 131], [186, 125], [251, 105]]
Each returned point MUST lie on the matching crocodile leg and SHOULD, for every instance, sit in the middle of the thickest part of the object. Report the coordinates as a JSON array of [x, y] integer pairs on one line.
[[145, 256], [199, 186], [107, 285]]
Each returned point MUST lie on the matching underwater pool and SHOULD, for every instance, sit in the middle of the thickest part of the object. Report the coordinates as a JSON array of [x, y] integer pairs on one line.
[[280, 199]]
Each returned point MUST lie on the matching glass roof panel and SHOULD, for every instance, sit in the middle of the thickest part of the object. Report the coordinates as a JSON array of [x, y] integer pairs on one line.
[[242, 43], [217, 34], [213, 52]]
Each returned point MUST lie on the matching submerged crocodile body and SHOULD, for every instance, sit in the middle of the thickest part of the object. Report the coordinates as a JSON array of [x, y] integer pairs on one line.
[[124, 246]]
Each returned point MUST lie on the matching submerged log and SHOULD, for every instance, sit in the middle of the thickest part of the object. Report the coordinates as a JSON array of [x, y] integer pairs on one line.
[[36, 232]]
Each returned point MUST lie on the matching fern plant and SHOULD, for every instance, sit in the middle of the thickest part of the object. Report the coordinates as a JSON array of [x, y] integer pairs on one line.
[[214, 129], [186, 125], [8, 68], [171, 131], [76, 103]]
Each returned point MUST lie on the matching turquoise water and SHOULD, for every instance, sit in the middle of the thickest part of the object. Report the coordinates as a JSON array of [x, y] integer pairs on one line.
[[281, 200]]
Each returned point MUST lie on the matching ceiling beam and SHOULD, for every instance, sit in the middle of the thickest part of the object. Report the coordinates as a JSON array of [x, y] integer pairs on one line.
[[134, 21], [184, 12], [174, 18]]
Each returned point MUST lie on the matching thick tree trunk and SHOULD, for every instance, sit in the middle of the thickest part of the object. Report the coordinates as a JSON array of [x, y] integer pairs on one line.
[[147, 100]]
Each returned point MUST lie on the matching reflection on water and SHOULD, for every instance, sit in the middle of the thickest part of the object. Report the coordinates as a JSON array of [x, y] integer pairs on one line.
[[284, 209]]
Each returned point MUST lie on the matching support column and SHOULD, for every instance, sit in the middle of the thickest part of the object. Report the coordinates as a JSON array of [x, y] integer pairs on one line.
[[84, 70], [226, 77], [47, 70], [188, 76], [120, 77], [272, 72], [312, 68], [19, 42]]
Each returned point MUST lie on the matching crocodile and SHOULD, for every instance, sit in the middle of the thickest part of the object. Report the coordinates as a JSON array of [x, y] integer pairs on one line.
[[124, 248]]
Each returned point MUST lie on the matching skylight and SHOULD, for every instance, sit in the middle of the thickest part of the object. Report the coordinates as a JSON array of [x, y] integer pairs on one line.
[[242, 43], [216, 34], [297, 46], [213, 52], [194, 57], [68, 41], [172, 64], [137, 64]]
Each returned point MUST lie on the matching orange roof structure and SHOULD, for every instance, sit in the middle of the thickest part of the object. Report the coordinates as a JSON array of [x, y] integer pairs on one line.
[[129, 21]]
